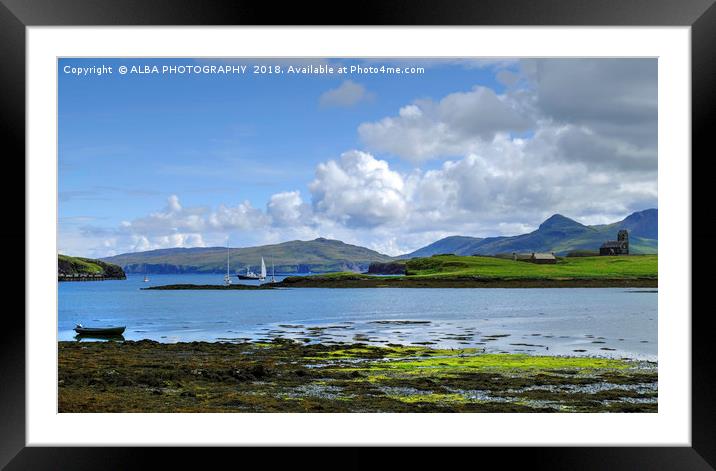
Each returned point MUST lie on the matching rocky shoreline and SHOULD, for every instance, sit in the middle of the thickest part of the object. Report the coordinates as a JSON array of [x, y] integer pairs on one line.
[[289, 376]]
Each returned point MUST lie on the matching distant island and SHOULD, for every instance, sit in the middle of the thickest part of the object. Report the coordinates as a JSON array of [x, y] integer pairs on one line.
[[558, 234], [315, 256], [455, 271], [87, 269]]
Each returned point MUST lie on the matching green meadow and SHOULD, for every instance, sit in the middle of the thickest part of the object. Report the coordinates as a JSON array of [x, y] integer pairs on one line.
[[635, 266]]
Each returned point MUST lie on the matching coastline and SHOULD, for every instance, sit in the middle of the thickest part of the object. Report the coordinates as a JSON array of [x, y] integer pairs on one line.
[[362, 281], [289, 376]]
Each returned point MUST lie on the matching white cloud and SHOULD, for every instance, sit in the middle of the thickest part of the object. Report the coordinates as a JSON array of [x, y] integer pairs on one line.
[[358, 190], [454, 126], [606, 109], [142, 243], [173, 216], [243, 216], [287, 208], [349, 93]]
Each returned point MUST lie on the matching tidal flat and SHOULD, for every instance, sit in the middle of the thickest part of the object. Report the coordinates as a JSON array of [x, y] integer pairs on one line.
[[292, 376]]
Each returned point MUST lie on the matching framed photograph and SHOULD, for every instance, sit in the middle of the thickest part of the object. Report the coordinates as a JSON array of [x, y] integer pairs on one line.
[[427, 227]]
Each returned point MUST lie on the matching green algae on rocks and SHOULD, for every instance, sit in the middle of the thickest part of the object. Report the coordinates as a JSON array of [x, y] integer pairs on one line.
[[289, 376]]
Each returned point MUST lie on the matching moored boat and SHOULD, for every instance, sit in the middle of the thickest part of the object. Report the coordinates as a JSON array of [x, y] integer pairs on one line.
[[248, 276], [262, 275], [227, 277]]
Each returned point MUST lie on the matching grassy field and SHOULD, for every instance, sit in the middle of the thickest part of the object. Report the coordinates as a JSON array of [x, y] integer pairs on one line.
[[452, 271], [641, 266], [79, 265], [87, 266]]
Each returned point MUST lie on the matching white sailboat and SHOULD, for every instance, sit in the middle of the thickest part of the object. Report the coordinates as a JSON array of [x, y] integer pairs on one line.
[[273, 273], [227, 277], [262, 275]]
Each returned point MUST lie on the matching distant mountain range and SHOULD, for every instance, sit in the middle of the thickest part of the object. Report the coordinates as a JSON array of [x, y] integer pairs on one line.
[[557, 234], [297, 256]]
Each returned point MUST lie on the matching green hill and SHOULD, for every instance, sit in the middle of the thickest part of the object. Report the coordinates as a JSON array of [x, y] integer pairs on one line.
[[319, 255], [557, 234], [72, 266], [452, 244]]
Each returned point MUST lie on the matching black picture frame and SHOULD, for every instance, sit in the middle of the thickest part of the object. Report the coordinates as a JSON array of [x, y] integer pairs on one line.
[[16, 15]]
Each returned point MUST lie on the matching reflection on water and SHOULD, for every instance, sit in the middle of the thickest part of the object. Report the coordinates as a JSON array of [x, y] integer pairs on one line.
[[613, 322]]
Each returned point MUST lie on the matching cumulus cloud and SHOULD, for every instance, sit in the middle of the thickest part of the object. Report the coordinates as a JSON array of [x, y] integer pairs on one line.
[[453, 126], [173, 216], [143, 243], [606, 110], [349, 93], [358, 190], [243, 216], [175, 226], [287, 208]]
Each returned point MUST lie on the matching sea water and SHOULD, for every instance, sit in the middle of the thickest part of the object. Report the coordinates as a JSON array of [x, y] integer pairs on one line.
[[610, 322]]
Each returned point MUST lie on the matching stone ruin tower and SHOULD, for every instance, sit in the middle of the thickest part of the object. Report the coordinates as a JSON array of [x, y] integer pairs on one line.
[[623, 237]]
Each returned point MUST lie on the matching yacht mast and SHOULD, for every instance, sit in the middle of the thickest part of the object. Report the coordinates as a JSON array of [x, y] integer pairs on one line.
[[227, 277]]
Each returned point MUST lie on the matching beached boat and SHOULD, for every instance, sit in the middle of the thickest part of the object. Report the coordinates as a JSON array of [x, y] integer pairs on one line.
[[116, 330]]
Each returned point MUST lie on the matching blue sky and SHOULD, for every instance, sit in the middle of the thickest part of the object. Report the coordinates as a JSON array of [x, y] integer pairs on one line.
[[149, 160]]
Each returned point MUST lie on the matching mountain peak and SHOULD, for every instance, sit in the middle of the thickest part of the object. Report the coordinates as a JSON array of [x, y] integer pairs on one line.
[[643, 223], [639, 215], [557, 221], [332, 241]]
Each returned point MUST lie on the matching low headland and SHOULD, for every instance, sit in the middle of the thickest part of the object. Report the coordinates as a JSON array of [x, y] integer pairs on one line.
[[87, 269], [452, 271], [291, 376]]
